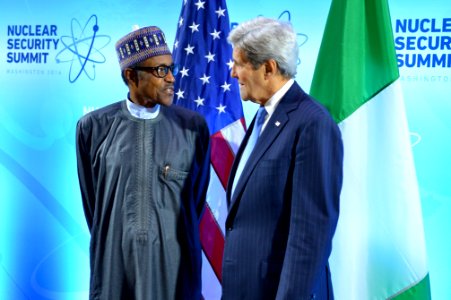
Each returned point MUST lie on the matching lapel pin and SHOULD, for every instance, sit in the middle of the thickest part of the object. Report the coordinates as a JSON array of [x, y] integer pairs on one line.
[[277, 123]]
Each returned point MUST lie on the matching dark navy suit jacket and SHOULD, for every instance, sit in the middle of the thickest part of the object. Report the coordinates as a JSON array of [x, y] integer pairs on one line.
[[284, 211]]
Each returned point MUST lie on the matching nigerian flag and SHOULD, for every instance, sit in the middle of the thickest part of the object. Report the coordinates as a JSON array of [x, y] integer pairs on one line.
[[378, 249]]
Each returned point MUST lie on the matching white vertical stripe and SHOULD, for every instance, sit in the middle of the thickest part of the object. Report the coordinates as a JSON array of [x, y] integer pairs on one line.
[[379, 241]]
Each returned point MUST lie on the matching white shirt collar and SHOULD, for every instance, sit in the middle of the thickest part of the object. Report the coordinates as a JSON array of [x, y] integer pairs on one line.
[[142, 112], [271, 104]]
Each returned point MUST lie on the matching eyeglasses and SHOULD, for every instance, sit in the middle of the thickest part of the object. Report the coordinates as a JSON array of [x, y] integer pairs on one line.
[[160, 71]]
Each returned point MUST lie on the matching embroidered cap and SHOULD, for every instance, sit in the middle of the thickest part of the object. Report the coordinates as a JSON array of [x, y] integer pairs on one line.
[[141, 44]]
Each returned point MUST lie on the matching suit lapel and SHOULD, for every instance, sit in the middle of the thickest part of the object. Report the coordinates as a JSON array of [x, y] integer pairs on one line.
[[276, 123], [236, 161]]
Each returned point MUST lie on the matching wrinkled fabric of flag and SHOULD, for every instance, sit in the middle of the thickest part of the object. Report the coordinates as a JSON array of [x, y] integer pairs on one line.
[[204, 84]]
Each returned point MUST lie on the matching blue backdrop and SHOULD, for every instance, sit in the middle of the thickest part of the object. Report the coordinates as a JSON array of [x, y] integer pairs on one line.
[[57, 62]]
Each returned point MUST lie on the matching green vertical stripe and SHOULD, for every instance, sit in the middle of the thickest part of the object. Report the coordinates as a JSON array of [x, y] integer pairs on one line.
[[357, 57], [420, 291]]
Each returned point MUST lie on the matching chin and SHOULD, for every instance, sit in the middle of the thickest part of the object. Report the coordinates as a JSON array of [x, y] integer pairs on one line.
[[167, 102]]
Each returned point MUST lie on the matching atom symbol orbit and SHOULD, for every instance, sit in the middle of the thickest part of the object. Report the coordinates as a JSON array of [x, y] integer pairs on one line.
[[302, 38], [80, 48]]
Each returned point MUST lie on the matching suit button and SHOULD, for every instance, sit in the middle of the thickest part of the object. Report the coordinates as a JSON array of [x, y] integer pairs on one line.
[[229, 228]]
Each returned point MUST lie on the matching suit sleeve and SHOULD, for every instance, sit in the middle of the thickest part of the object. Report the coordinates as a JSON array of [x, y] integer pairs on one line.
[[316, 186], [84, 169], [202, 177]]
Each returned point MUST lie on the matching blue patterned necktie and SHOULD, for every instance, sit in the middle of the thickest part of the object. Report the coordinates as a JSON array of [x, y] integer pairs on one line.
[[259, 120]]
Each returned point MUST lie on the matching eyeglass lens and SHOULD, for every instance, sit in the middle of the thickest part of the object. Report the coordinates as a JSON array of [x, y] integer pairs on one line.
[[163, 70]]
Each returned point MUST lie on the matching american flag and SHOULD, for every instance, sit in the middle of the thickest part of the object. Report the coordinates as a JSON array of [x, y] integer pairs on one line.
[[204, 84]]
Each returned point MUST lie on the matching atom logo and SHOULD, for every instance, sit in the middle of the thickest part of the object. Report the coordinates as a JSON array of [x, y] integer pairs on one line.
[[286, 16], [82, 50], [302, 38]]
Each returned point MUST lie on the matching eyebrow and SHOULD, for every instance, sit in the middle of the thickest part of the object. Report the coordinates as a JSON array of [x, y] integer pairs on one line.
[[235, 62]]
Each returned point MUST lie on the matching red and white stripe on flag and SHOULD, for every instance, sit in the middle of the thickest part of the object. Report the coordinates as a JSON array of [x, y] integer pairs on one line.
[[204, 84]]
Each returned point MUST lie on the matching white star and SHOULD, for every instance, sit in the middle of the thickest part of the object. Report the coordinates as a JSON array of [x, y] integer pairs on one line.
[[230, 64], [189, 49], [205, 79], [181, 22], [176, 44], [220, 12], [226, 86], [184, 72], [199, 101], [180, 94], [221, 108], [200, 4], [210, 57], [194, 27], [215, 34]]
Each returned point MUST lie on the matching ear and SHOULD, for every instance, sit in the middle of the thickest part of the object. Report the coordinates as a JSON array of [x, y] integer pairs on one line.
[[270, 68], [131, 76]]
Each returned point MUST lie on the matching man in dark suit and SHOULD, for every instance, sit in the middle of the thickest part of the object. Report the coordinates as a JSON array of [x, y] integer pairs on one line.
[[283, 195]]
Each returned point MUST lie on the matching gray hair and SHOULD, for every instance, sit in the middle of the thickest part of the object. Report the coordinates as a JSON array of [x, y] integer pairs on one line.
[[262, 39]]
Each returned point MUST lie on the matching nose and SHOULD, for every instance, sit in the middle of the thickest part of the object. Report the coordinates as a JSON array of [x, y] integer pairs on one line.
[[233, 72], [169, 77]]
